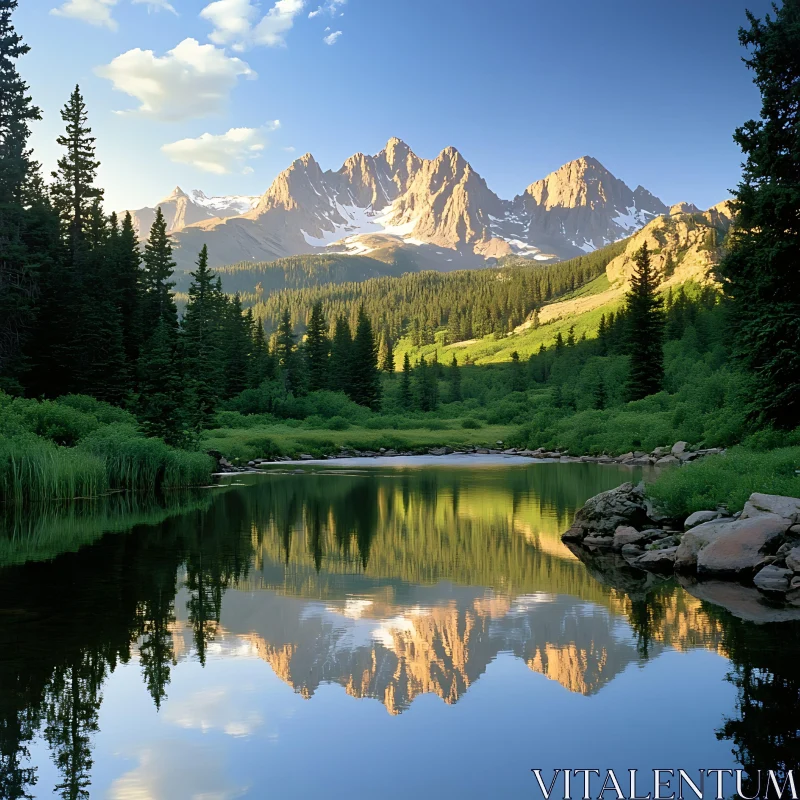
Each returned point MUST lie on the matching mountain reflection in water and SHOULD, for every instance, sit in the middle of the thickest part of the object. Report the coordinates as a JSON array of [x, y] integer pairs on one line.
[[389, 583]]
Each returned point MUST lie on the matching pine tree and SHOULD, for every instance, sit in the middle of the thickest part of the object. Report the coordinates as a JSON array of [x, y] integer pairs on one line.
[[559, 344], [760, 272], [317, 350], [406, 393], [287, 356], [365, 386], [386, 354], [262, 366], [18, 264], [518, 383], [127, 262], [157, 302], [455, 380], [645, 319], [16, 113], [571, 336], [427, 387], [73, 190], [159, 405], [202, 343], [236, 345], [341, 356]]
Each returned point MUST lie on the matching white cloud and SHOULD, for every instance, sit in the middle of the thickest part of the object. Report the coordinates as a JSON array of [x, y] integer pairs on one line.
[[156, 5], [332, 38], [289, 149], [331, 7], [236, 22], [95, 12], [191, 80], [223, 153]]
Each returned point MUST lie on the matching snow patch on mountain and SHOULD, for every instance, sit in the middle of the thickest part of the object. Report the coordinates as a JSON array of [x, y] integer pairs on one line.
[[237, 204]]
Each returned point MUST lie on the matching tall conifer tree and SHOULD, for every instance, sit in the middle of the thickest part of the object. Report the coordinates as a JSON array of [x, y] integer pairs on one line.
[[365, 388], [18, 265], [317, 350], [761, 273], [201, 344], [341, 356], [645, 318]]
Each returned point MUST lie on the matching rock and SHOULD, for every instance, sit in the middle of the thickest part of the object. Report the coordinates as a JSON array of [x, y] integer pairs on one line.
[[632, 550], [759, 504], [667, 461], [603, 514], [440, 451], [625, 534], [696, 539], [657, 560], [306, 457], [740, 549], [688, 456], [794, 583], [773, 579], [666, 541], [794, 531], [660, 452], [641, 461], [599, 541], [793, 559], [510, 451], [626, 456], [499, 443], [678, 448], [699, 517], [482, 451]]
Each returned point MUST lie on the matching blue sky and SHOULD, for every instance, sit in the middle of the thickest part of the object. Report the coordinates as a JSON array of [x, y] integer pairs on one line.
[[232, 91]]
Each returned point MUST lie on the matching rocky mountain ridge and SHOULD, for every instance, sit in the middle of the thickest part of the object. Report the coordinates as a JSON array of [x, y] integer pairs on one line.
[[441, 209]]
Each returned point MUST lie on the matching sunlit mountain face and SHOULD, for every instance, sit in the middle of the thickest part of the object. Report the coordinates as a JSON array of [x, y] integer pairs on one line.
[[287, 614]]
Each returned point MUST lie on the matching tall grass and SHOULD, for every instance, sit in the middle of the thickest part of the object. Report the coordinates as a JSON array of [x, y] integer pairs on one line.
[[79, 447], [727, 479]]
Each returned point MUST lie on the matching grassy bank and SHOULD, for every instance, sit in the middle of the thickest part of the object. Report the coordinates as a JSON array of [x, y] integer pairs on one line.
[[728, 479], [80, 447], [293, 437]]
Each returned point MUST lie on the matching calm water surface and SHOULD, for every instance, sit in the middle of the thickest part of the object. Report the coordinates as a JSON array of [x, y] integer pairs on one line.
[[377, 632]]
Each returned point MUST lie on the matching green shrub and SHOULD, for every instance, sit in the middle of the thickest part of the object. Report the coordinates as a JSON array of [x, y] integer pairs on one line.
[[727, 479], [471, 424]]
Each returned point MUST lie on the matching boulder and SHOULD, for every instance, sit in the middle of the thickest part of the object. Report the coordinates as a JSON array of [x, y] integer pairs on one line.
[[695, 540], [440, 451], [657, 560], [699, 517], [667, 461], [795, 531], [641, 461], [625, 534], [760, 504], [773, 579], [599, 541], [306, 457], [793, 559], [660, 452], [678, 448], [603, 514], [741, 548], [632, 551]]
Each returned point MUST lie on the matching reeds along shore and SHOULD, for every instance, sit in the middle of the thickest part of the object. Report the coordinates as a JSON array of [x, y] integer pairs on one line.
[[78, 447]]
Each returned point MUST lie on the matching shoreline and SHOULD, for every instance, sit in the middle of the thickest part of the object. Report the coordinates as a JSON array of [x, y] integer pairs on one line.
[[676, 455]]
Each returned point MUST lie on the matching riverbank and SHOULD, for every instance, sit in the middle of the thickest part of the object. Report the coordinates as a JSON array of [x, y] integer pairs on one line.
[[745, 557]]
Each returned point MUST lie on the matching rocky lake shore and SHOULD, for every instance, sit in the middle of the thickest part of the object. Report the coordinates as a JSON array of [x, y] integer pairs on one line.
[[748, 562]]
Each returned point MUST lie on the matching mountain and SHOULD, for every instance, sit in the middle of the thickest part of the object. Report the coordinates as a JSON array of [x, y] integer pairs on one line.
[[439, 210], [181, 209]]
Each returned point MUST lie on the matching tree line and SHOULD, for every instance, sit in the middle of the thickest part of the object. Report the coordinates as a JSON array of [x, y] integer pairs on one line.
[[467, 303]]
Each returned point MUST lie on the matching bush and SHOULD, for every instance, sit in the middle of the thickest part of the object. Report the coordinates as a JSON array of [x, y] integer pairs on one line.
[[727, 479], [471, 424]]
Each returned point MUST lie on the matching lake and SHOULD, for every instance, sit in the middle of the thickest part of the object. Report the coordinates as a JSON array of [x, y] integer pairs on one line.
[[365, 630]]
